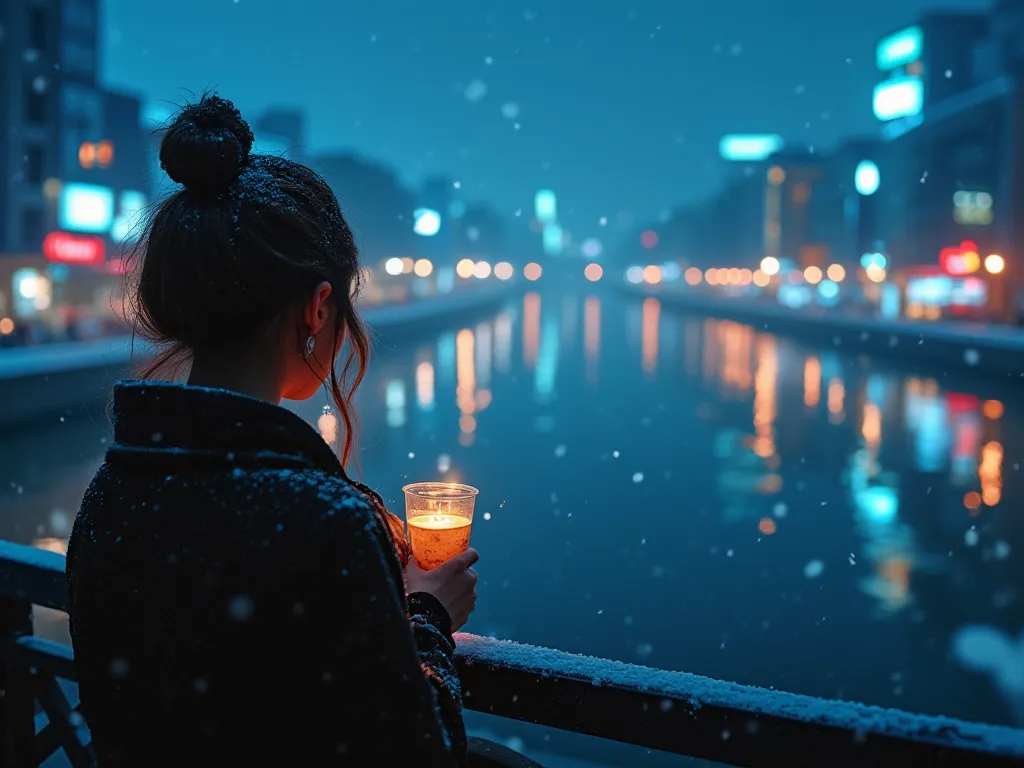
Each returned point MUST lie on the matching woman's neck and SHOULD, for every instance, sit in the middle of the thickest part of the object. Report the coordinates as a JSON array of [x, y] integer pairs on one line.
[[250, 376]]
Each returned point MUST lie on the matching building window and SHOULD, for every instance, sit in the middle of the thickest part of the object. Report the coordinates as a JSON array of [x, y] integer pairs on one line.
[[35, 102], [32, 229], [34, 165], [37, 29]]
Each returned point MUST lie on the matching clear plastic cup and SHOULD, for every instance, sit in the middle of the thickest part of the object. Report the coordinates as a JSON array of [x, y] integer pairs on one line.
[[439, 517]]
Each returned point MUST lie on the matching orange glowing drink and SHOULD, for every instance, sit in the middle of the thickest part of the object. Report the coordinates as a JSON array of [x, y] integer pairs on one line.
[[439, 517]]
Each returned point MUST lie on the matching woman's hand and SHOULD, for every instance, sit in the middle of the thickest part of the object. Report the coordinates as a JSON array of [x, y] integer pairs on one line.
[[453, 584]]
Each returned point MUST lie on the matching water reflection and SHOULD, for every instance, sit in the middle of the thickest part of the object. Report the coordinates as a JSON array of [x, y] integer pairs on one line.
[[812, 381], [755, 457], [465, 392], [592, 336], [650, 334], [425, 385], [531, 329]]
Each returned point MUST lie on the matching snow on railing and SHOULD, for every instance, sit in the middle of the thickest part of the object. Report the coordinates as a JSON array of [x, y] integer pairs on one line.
[[674, 712], [699, 716]]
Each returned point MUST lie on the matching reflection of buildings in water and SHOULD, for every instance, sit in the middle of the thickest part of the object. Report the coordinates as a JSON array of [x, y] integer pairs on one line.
[[484, 354], [394, 401], [691, 347], [465, 390], [592, 336], [445, 360], [925, 421], [531, 329], [812, 381], [963, 420], [503, 342], [726, 355], [649, 333], [425, 386], [547, 363], [871, 428], [570, 312], [888, 544], [836, 401], [990, 473]]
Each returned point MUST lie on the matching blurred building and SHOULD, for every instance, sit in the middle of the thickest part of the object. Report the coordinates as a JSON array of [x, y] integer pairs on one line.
[[844, 206], [951, 167], [30, 50], [375, 203], [289, 125], [438, 209], [792, 180], [479, 234], [71, 168]]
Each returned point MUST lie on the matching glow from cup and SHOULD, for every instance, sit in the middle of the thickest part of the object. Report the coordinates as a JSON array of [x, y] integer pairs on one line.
[[439, 517]]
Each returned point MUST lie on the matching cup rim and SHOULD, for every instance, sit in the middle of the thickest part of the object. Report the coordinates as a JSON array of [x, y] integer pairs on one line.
[[457, 490]]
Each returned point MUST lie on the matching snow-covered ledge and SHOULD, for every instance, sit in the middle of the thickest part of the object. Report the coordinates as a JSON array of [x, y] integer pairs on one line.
[[711, 719], [671, 711]]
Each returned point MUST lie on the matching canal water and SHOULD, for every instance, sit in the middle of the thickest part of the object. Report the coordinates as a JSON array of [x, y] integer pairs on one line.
[[687, 493]]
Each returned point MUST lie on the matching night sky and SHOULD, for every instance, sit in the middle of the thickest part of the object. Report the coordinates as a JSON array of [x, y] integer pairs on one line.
[[621, 105]]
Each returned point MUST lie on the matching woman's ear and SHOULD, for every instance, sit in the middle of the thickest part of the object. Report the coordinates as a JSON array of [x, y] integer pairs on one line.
[[317, 310]]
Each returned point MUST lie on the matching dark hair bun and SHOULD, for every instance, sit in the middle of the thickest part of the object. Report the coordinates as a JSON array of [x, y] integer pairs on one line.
[[206, 146]]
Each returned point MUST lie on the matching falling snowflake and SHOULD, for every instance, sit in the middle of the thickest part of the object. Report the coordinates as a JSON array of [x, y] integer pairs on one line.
[[638, 477], [814, 569], [560, 451], [603, 221], [971, 537], [1002, 550], [475, 91], [779, 510], [240, 608], [972, 357], [487, 515], [510, 110], [444, 463]]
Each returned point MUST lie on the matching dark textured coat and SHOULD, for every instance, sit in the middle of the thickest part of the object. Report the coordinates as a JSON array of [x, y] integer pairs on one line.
[[234, 599]]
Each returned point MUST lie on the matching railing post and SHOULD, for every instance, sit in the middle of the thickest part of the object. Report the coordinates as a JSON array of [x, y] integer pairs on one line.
[[17, 702]]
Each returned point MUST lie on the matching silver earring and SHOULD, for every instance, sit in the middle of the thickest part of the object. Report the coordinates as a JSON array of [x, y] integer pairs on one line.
[[310, 343]]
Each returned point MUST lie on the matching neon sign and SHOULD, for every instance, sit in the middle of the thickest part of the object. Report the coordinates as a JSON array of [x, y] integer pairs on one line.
[[74, 249], [960, 261]]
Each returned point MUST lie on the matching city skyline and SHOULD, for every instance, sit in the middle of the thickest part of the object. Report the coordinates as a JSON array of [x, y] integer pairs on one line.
[[574, 83]]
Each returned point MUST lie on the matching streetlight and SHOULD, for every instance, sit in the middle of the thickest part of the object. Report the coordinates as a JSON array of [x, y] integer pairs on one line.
[[994, 264]]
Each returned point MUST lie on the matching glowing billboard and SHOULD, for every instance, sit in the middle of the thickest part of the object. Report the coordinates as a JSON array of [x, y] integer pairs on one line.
[[86, 208], [737, 147], [426, 222], [866, 178], [545, 206], [553, 239], [65, 248], [898, 97], [899, 49]]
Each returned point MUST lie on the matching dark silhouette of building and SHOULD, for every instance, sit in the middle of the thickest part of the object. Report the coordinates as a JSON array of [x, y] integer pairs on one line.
[[30, 59], [289, 124], [379, 209], [479, 234]]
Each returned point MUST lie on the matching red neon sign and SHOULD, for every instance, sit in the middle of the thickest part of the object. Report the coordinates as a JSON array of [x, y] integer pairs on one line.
[[960, 261], [74, 249]]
